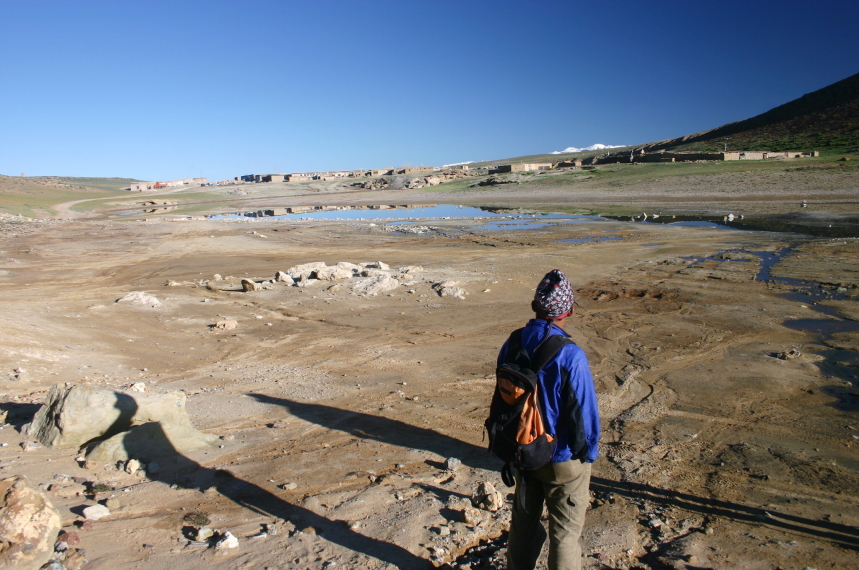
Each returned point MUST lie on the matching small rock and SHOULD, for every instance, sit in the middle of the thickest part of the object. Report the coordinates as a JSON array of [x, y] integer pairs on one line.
[[75, 559], [228, 324], [204, 534], [789, 354], [88, 464], [217, 277], [70, 538], [112, 504], [452, 464], [443, 531], [289, 486], [250, 285], [486, 497], [152, 468], [29, 446], [132, 466], [95, 512], [85, 525], [354, 525], [470, 516], [53, 565], [61, 546], [138, 387], [227, 541]]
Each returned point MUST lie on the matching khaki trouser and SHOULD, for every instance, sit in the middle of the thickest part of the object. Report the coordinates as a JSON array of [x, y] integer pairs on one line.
[[564, 488]]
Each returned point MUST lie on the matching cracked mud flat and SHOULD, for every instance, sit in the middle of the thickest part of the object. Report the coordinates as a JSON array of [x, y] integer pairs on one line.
[[337, 412]]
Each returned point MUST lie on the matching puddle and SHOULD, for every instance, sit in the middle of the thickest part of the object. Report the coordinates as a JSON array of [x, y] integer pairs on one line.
[[588, 239], [832, 225], [513, 225], [823, 327]]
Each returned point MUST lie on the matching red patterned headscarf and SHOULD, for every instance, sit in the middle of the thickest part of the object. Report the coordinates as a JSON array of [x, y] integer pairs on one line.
[[554, 295]]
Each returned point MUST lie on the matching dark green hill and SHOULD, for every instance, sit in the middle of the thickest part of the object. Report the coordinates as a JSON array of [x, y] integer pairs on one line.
[[827, 119]]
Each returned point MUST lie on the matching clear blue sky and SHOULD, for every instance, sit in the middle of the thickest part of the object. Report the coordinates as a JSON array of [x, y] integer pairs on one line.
[[159, 90]]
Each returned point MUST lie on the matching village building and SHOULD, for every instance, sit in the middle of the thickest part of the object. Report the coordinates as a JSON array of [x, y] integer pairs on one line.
[[414, 170], [506, 168]]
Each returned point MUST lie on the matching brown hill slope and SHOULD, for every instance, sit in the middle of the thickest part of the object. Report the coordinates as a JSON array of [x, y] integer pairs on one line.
[[825, 119]]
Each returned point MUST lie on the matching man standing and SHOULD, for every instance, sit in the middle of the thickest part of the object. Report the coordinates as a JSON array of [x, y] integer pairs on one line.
[[566, 390]]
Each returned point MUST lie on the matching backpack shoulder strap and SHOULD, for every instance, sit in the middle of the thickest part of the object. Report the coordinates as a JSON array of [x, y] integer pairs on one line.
[[547, 350], [515, 351]]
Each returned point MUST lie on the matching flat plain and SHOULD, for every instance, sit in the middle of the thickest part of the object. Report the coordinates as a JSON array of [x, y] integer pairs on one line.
[[725, 363]]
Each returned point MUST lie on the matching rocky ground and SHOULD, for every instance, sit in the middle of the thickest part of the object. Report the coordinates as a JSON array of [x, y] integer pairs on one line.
[[729, 407]]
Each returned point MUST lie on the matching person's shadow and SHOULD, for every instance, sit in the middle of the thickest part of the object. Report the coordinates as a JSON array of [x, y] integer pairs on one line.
[[386, 430]]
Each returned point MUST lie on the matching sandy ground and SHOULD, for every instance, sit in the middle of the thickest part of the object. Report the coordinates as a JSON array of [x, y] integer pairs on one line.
[[337, 412]]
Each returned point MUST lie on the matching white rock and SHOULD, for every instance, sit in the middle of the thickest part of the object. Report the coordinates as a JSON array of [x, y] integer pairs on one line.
[[228, 541], [138, 387], [95, 512], [132, 466], [141, 299], [372, 286], [283, 277]]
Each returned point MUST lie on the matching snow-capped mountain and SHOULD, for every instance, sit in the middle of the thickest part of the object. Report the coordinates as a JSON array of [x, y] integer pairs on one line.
[[597, 146]]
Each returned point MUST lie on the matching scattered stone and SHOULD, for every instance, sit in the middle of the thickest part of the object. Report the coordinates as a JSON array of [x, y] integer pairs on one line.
[[96, 512], [485, 497], [70, 538], [112, 504], [305, 269], [372, 286], [249, 285], [217, 277], [443, 530], [204, 534], [332, 273], [289, 486], [227, 325], [141, 299], [85, 525], [789, 354], [227, 540], [29, 446], [450, 289], [29, 524], [452, 464], [283, 277], [73, 415], [470, 516], [75, 559], [138, 387]]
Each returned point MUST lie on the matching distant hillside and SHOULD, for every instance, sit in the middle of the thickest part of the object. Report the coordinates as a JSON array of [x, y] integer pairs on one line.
[[36, 195], [827, 119]]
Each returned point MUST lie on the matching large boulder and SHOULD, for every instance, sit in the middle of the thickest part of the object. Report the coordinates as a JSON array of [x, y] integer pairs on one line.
[[152, 441], [73, 415], [29, 525]]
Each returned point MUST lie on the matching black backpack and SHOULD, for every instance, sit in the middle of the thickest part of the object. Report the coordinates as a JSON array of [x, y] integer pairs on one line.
[[517, 420]]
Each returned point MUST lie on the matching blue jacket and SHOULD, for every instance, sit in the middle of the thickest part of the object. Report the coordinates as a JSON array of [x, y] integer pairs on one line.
[[567, 393]]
